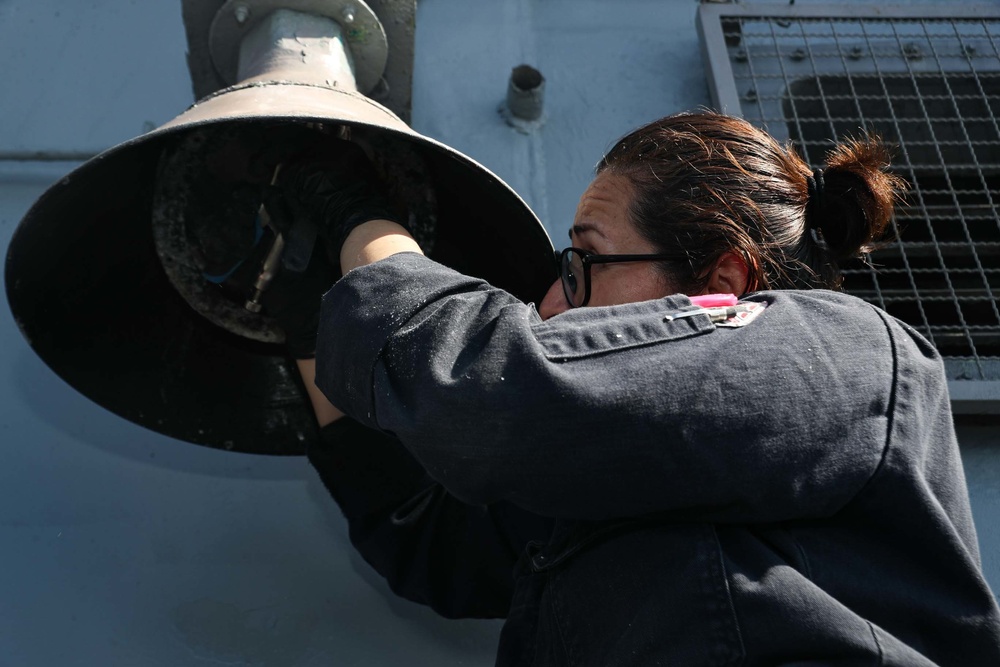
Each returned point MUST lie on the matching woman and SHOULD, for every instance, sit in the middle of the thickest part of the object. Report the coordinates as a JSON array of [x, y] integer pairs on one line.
[[664, 490]]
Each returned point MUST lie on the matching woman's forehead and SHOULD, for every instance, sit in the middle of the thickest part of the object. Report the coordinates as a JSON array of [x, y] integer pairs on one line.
[[603, 208], [608, 195]]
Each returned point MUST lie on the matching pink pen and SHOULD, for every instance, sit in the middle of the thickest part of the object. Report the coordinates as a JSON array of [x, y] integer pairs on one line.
[[714, 300]]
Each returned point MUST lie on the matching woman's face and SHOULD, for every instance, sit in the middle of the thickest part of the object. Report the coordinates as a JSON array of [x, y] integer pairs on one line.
[[601, 226]]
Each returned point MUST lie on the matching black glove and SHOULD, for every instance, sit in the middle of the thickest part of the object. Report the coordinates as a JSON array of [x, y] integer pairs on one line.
[[327, 196], [293, 299]]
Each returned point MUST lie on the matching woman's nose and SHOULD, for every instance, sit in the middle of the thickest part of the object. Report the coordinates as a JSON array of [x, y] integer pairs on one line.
[[554, 302]]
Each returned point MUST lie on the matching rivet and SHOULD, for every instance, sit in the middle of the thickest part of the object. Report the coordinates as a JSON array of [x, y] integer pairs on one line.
[[751, 95], [912, 51], [855, 53], [798, 55], [348, 14], [242, 13], [740, 56], [969, 49]]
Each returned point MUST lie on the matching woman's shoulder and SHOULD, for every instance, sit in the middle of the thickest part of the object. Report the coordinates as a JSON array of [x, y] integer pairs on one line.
[[838, 310], [819, 300]]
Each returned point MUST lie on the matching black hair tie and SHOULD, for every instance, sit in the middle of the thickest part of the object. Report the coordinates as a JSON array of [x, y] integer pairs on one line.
[[815, 186]]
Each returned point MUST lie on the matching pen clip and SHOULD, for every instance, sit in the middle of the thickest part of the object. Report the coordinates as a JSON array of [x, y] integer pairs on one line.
[[720, 314]]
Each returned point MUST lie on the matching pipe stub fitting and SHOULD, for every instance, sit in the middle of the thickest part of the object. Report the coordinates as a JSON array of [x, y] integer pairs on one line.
[[362, 32], [526, 93]]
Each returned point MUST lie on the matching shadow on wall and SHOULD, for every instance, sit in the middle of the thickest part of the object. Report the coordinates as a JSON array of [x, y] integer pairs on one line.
[[979, 437], [312, 611], [57, 404], [472, 641]]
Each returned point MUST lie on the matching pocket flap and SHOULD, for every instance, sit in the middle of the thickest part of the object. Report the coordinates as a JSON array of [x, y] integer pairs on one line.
[[584, 332]]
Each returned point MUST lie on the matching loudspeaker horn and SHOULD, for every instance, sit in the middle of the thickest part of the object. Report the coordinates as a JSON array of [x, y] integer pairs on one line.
[[117, 275]]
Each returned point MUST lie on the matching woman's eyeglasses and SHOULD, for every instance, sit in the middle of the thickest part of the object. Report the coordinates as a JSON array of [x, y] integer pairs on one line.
[[574, 270]]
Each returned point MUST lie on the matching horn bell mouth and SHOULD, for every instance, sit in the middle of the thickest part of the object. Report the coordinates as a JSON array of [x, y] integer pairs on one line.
[[87, 284]]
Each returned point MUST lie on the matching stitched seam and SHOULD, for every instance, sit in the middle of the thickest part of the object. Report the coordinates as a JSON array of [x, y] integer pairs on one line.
[[373, 395], [551, 335], [890, 408], [556, 615], [878, 645], [553, 354], [741, 658]]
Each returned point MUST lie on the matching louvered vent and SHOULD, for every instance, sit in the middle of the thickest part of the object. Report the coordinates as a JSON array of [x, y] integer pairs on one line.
[[927, 79]]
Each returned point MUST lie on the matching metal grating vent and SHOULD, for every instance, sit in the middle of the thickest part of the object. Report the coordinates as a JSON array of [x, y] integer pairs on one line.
[[930, 84]]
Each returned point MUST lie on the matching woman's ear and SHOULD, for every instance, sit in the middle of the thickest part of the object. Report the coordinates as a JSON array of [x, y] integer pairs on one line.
[[728, 276]]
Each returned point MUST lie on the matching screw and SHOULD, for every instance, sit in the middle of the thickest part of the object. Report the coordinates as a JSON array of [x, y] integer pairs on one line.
[[751, 95], [798, 55], [348, 14], [740, 56], [242, 13], [912, 51], [855, 53]]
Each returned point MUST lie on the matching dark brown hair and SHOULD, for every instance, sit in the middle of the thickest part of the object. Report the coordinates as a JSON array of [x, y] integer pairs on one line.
[[708, 184]]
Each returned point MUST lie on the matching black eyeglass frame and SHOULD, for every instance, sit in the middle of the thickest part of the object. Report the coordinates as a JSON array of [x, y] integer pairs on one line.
[[590, 258]]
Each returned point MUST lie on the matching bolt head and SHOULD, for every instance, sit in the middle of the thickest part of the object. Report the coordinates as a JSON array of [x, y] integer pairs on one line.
[[912, 51]]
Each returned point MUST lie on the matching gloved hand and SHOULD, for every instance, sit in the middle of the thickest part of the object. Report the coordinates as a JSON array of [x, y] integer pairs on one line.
[[328, 196], [294, 298]]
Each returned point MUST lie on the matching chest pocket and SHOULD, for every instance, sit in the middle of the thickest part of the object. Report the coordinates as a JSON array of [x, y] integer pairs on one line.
[[586, 332]]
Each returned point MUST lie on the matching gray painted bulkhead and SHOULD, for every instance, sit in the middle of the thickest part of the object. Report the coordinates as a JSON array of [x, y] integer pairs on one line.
[[119, 546]]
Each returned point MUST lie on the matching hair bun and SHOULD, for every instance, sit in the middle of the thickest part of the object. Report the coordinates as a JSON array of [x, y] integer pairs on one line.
[[856, 198]]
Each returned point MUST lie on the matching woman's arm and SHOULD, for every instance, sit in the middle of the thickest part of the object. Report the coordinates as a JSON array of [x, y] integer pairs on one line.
[[433, 549], [611, 412], [326, 413], [368, 243], [375, 240]]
